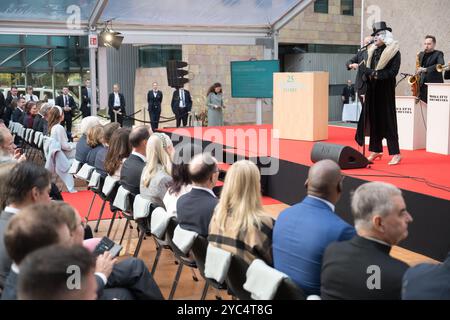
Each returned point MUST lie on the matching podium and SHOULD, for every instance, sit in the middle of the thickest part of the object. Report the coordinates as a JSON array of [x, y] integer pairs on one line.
[[438, 122], [411, 120], [300, 105]]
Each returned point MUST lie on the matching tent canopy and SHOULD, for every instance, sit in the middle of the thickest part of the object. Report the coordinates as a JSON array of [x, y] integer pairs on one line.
[[147, 17]]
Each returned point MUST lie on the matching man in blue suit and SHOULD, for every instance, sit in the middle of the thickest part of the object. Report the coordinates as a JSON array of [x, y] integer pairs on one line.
[[427, 282], [303, 231]]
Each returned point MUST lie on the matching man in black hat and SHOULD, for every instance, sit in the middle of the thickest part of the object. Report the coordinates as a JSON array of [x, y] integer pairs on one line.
[[379, 119]]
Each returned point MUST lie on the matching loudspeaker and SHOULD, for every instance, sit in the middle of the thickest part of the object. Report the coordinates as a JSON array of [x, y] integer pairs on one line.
[[346, 157]]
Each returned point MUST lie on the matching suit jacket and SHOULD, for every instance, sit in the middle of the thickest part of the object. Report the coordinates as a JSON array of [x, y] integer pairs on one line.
[[82, 149], [154, 102], [431, 76], [348, 92], [5, 260], [447, 75], [347, 271], [59, 101], [85, 100], [111, 103], [92, 155], [301, 235], [130, 175], [2, 104], [360, 82], [176, 100], [18, 115], [427, 282], [195, 210], [39, 123]]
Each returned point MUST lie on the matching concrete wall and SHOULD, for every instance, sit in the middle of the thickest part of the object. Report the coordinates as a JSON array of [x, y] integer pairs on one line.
[[320, 28], [411, 20]]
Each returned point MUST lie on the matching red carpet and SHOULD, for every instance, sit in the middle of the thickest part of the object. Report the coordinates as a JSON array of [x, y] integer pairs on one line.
[[81, 201], [424, 169]]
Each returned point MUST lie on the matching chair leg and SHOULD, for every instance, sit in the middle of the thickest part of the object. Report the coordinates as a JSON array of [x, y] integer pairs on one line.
[[90, 207], [175, 282], [205, 290], [111, 223], [138, 247], [100, 216], [155, 263], [124, 231]]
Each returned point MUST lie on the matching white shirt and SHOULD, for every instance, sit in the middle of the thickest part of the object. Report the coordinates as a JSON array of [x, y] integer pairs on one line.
[[182, 98], [28, 97], [116, 100], [328, 203], [155, 93], [12, 210], [170, 200], [15, 268], [66, 100], [140, 156], [208, 190], [377, 240]]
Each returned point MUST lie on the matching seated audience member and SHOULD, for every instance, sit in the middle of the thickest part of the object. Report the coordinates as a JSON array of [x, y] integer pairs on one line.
[[26, 184], [361, 268], [303, 231], [195, 208], [427, 282], [57, 131], [95, 141], [156, 174], [239, 223], [40, 121], [30, 111], [130, 174], [83, 148], [118, 151], [7, 147], [34, 227], [44, 274], [178, 186], [108, 131]]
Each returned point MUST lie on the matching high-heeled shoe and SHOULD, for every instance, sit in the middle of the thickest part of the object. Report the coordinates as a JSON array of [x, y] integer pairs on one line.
[[374, 156], [395, 160]]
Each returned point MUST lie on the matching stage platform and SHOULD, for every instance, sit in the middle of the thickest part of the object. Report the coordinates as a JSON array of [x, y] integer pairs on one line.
[[424, 177]]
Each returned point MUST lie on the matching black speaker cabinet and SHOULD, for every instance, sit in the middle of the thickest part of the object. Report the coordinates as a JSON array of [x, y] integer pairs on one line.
[[346, 157]]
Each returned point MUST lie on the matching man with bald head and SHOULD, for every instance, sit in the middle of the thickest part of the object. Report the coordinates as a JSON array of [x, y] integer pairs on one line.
[[195, 209], [303, 231]]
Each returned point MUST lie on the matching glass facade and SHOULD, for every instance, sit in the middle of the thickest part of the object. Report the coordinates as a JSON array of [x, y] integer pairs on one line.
[[321, 6], [347, 7], [155, 56]]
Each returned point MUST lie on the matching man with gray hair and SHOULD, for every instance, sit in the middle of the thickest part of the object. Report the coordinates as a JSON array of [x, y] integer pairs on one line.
[[362, 268]]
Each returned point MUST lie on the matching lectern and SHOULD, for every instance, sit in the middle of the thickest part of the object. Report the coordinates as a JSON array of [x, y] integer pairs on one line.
[[411, 121], [300, 105], [438, 118]]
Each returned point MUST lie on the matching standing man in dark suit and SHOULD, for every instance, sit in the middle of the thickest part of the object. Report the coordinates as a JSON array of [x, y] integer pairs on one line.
[[154, 99], [130, 174], [86, 99], [195, 208], [19, 114], [27, 184], [181, 105], [303, 231], [428, 60], [2, 105], [348, 93], [361, 268], [67, 103], [116, 105]]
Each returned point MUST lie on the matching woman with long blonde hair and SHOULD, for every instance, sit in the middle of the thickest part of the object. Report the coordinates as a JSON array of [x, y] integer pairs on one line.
[[157, 173], [239, 215]]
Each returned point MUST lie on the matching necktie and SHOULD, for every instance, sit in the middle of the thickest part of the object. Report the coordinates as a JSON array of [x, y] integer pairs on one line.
[[65, 101], [31, 97]]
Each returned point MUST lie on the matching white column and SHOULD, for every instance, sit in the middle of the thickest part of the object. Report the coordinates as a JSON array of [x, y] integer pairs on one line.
[[93, 71]]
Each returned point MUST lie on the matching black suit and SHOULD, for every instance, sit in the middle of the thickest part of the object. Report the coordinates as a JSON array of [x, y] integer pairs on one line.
[[2, 105], [18, 115], [347, 93], [429, 61], [40, 124], [111, 107], [195, 210], [346, 271], [181, 114], [447, 75], [154, 107], [130, 174], [67, 114], [360, 82], [85, 101]]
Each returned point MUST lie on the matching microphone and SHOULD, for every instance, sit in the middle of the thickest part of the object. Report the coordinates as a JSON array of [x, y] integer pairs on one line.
[[406, 75], [365, 47]]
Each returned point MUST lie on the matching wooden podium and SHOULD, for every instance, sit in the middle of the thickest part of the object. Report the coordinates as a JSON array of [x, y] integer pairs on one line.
[[438, 118], [300, 105]]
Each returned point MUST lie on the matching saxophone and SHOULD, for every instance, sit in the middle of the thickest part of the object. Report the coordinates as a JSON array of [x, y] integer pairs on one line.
[[414, 81]]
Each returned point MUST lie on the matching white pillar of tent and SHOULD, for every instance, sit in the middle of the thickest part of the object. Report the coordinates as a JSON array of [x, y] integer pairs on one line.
[[93, 72]]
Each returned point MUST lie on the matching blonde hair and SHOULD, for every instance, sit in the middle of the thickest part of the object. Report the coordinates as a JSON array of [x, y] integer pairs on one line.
[[94, 136], [240, 206], [157, 154], [88, 123]]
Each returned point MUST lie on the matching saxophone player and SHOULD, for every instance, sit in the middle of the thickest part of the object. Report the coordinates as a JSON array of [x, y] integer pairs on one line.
[[428, 59]]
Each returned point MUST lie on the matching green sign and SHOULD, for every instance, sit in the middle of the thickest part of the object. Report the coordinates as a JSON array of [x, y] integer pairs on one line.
[[253, 79]]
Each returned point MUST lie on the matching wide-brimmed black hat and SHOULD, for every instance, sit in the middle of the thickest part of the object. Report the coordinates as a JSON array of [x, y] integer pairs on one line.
[[380, 26]]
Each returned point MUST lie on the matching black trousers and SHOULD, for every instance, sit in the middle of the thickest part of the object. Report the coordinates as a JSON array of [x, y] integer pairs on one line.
[[86, 111], [181, 115], [116, 118], [155, 114], [376, 145], [67, 122]]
